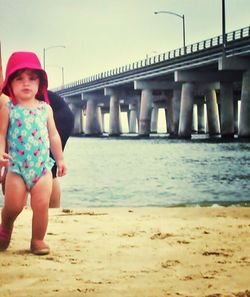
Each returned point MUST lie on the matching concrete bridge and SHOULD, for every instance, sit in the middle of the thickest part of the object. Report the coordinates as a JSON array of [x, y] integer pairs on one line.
[[200, 89]]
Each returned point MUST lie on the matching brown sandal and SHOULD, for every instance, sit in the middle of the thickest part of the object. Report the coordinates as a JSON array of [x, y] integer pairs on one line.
[[38, 247]]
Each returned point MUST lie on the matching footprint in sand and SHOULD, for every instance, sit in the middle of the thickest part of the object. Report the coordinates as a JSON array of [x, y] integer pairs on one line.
[[219, 253], [183, 242], [169, 263], [161, 235], [128, 234]]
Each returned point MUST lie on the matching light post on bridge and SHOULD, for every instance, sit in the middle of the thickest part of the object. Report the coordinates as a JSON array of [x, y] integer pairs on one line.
[[62, 71], [224, 37], [48, 48], [183, 24]]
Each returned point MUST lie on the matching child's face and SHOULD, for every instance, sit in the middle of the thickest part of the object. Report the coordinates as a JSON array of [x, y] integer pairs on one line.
[[25, 85]]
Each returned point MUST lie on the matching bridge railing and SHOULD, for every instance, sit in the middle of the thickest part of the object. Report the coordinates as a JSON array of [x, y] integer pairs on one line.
[[173, 54]]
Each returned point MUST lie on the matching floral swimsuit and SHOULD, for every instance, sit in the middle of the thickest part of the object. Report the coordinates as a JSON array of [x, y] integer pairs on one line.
[[28, 142]]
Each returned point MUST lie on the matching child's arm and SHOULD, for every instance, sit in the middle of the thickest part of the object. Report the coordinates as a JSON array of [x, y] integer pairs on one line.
[[55, 144], [3, 100], [4, 123]]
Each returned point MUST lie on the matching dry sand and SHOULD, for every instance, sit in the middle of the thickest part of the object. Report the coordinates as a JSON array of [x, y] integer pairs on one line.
[[132, 252]]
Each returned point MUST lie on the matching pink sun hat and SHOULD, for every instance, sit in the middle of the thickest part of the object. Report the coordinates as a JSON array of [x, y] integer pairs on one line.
[[25, 60]]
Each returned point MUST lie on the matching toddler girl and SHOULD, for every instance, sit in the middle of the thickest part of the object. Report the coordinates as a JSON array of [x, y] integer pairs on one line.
[[28, 127]]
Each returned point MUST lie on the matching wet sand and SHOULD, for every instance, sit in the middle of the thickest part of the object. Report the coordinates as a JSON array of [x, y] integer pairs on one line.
[[138, 252]]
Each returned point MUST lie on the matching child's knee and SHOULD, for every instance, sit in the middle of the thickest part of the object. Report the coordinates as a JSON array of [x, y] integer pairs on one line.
[[14, 209], [40, 203]]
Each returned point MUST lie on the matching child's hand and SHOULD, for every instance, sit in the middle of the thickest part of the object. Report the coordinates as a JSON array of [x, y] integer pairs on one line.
[[61, 168], [4, 159], [3, 172]]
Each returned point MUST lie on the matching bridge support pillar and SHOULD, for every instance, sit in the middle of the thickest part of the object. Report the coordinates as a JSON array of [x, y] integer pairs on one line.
[[100, 118], [93, 123], [132, 118], [226, 110], [169, 116], [244, 127], [78, 119], [145, 112], [195, 119], [114, 117], [186, 110], [201, 117], [213, 122], [176, 105], [154, 119], [236, 117]]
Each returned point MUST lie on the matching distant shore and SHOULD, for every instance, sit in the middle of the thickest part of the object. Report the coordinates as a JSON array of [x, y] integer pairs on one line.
[[133, 252]]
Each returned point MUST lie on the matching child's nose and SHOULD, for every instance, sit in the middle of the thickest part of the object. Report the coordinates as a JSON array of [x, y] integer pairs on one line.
[[26, 81]]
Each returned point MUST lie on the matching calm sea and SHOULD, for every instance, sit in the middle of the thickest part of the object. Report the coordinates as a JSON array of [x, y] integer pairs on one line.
[[158, 171], [133, 172]]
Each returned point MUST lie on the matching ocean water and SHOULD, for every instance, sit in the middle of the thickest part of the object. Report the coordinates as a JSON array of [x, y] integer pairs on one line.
[[133, 172]]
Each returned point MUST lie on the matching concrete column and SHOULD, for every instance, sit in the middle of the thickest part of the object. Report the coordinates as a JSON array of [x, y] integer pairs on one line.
[[226, 110], [186, 111], [213, 122], [195, 119], [100, 118], [176, 105], [114, 119], [83, 120], [128, 117], [138, 110], [78, 124], [132, 124], [145, 112], [166, 120], [244, 126], [93, 125], [201, 117], [154, 119], [236, 118], [169, 116]]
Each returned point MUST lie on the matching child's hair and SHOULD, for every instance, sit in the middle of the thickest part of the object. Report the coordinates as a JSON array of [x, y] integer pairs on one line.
[[21, 61]]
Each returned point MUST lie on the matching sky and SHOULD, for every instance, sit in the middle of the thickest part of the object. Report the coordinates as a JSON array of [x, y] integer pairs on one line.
[[86, 37]]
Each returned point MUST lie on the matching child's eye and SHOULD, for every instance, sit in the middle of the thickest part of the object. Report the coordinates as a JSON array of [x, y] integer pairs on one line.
[[34, 77], [18, 78]]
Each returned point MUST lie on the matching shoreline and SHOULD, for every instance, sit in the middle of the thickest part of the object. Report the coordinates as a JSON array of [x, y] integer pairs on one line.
[[166, 136], [204, 204], [149, 251]]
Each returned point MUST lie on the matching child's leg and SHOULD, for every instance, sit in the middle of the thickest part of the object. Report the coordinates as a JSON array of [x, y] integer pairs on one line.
[[14, 200], [40, 196], [15, 197], [56, 194]]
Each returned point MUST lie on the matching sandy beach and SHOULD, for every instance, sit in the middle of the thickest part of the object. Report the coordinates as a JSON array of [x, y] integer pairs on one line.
[[132, 252]]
